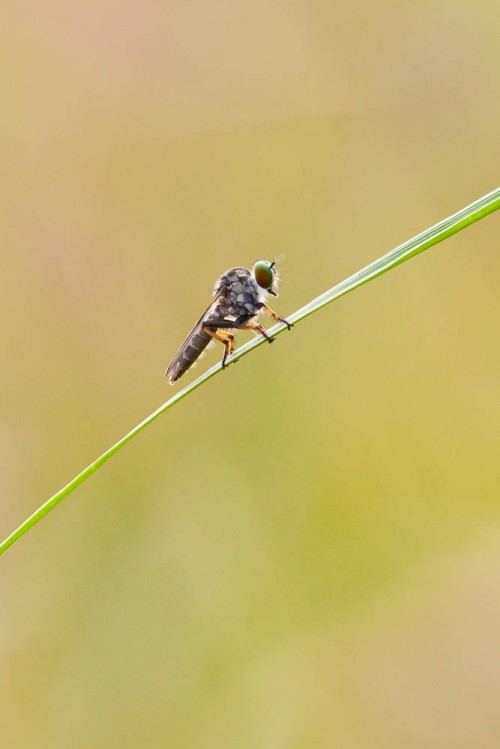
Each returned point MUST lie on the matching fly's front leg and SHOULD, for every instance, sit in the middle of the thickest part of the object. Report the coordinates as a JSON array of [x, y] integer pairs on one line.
[[226, 338], [277, 317]]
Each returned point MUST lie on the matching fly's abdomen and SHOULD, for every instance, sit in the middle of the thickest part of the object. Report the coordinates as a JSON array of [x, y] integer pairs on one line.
[[191, 349]]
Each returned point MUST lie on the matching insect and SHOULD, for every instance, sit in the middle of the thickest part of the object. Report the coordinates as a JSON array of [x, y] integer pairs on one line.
[[240, 295]]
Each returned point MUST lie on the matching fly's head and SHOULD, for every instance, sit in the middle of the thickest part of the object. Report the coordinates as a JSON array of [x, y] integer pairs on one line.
[[266, 276]]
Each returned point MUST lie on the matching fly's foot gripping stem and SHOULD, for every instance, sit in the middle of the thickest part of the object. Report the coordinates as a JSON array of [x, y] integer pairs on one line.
[[251, 325], [277, 317]]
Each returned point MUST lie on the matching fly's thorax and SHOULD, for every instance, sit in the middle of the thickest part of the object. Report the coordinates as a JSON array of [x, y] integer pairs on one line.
[[230, 279], [240, 294]]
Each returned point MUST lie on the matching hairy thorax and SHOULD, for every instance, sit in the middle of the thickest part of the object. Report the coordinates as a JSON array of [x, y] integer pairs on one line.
[[238, 294]]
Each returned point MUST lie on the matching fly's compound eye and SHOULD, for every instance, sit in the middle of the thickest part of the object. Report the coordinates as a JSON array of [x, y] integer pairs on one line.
[[263, 274]]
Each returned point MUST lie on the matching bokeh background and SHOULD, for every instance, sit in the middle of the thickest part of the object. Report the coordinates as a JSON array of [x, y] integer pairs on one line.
[[306, 551]]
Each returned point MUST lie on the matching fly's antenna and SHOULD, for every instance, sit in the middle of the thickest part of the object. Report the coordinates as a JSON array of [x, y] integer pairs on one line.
[[279, 259]]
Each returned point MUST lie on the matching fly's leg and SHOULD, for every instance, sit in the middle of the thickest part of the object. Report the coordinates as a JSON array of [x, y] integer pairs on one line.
[[277, 317], [226, 338], [251, 325], [244, 322]]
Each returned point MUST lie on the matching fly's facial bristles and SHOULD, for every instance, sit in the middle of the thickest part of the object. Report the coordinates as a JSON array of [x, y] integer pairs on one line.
[[274, 264]]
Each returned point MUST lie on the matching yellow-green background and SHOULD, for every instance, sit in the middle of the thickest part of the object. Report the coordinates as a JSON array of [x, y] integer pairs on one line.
[[305, 552]]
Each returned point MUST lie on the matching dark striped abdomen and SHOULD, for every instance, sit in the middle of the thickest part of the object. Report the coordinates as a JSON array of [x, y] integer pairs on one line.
[[193, 346]]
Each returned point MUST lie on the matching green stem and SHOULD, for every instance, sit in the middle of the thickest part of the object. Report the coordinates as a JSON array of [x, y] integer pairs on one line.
[[451, 225]]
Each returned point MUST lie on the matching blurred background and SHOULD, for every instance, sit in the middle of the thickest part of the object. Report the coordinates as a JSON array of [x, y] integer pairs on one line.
[[305, 552]]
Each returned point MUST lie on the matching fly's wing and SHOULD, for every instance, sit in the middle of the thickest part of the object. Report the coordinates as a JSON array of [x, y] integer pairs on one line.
[[193, 346]]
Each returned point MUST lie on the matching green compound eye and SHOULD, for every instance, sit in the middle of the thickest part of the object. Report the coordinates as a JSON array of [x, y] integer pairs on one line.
[[263, 273]]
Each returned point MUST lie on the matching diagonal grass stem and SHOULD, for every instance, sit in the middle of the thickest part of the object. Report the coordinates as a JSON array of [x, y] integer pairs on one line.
[[432, 236]]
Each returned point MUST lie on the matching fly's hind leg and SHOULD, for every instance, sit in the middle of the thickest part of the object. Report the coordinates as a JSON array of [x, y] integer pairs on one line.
[[226, 338]]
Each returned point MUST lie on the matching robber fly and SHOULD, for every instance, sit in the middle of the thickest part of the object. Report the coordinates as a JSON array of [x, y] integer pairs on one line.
[[240, 295]]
